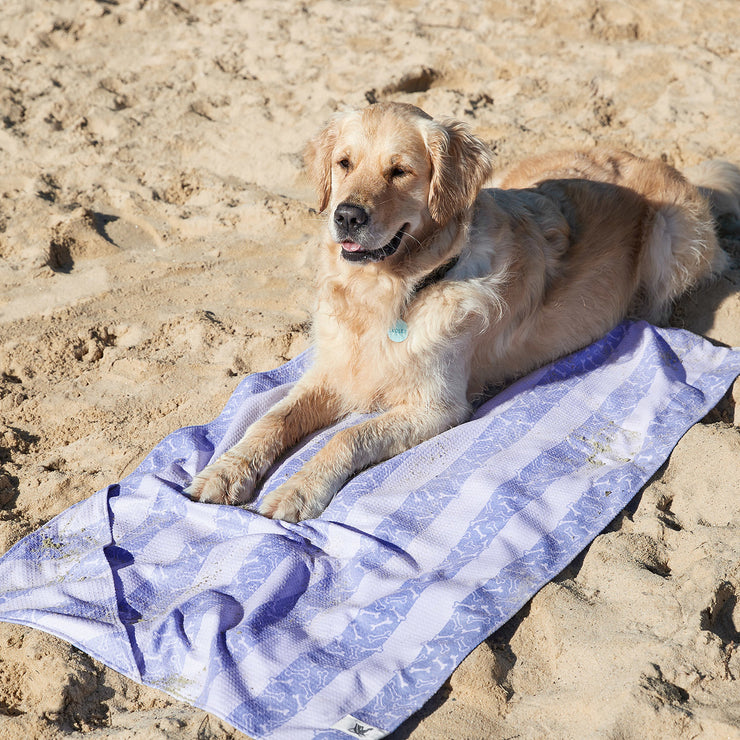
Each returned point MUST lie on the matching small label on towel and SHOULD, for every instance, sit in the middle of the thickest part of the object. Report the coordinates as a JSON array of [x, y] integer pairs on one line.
[[357, 728]]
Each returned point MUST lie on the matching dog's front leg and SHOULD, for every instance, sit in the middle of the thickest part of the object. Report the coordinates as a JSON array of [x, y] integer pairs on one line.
[[307, 493], [232, 478]]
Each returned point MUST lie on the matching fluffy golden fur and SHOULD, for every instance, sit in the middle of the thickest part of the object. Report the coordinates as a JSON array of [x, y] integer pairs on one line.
[[490, 282]]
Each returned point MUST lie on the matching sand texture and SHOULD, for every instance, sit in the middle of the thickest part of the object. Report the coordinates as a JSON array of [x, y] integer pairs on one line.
[[156, 233]]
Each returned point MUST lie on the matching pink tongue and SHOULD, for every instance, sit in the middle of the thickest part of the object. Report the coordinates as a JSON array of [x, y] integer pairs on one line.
[[351, 246]]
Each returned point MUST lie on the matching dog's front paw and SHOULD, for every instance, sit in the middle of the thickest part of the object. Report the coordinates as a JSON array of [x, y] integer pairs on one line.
[[229, 480], [295, 500]]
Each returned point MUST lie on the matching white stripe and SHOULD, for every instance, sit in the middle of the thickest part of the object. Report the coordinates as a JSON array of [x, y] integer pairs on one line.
[[256, 407]]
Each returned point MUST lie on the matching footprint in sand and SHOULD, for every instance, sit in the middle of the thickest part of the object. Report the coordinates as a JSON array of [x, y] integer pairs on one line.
[[88, 234]]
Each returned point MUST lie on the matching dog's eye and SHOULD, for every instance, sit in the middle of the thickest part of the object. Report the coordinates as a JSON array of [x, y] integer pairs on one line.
[[397, 172], [344, 164]]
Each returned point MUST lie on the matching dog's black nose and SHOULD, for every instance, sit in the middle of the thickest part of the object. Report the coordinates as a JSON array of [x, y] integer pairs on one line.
[[349, 217]]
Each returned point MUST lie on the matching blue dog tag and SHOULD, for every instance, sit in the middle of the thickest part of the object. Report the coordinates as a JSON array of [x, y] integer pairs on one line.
[[399, 331]]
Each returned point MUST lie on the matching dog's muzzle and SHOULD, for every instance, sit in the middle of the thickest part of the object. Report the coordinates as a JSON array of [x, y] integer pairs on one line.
[[350, 225], [353, 252]]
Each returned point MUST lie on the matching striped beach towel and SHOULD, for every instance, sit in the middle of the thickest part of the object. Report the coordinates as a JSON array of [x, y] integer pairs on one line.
[[345, 625]]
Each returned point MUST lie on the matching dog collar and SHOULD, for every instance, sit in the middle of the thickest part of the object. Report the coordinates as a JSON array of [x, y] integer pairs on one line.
[[400, 330], [436, 275]]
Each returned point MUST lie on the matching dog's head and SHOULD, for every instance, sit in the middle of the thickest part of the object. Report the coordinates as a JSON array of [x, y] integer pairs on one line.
[[389, 174]]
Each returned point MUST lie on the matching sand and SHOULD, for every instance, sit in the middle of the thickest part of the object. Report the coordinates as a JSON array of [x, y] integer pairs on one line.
[[156, 234]]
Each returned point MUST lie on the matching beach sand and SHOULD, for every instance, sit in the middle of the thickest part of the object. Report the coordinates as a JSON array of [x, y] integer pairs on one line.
[[156, 234]]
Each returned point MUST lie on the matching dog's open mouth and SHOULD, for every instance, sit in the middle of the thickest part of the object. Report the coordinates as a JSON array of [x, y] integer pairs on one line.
[[354, 252]]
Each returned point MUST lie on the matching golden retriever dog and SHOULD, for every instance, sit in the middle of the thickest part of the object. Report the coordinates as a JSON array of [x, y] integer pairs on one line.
[[432, 289]]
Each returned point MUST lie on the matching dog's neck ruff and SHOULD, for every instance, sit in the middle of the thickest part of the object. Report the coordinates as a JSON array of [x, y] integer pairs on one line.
[[400, 330]]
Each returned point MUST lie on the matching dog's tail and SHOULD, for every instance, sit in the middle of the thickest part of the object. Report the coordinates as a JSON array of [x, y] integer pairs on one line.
[[685, 242], [719, 182]]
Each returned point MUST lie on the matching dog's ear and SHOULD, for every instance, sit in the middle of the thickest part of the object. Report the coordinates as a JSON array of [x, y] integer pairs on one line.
[[461, 164], [317, 158]]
